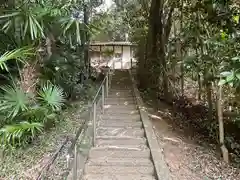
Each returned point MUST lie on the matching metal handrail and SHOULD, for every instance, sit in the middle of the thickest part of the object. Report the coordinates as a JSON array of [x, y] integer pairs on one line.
[[104, 87], [103, 90]]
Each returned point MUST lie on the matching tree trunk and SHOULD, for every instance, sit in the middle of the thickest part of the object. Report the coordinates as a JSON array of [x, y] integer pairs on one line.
[[178, 48], [199, 97], [86, 42], [29, 78], [182, 77], [209, 100], [50, 45], [174, 60], [221, 126], [165, 76], [142, 55], [181, 50], [152, 63], [164, 36]]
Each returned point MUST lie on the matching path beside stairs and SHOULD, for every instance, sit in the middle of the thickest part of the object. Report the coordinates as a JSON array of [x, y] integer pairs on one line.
[[122, 151]]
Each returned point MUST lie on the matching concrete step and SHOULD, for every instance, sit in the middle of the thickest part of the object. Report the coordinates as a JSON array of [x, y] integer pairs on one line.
[[120, 101], [121, 74], [120, 162], [122, 107], [118, 108], [121, 85], [131, 98], [125, 117], [120, 77], [135, 132], [121, 82], [117, 81], [121, 141], [118, 177], [116, 152], [120, 112], [120, 93], [116, 90], [121, 88], [116, 123], [115, 103], [119, 170], [121, 96]]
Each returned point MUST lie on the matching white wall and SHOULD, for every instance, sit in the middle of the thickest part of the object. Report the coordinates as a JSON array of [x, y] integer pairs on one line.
[[122, 62], [126, 57], [125, 60]]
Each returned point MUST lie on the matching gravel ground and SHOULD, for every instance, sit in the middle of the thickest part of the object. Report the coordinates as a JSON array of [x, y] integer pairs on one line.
[[186, 155]]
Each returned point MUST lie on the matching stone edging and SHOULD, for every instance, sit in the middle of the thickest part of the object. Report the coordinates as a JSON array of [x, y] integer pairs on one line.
[[161, 168]]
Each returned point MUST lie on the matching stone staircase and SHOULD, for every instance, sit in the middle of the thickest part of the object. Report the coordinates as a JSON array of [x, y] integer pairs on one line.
[[121, 151]]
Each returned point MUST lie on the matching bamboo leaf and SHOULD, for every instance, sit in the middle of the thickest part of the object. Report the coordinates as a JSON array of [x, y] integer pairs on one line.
[[230, 78], [25, 28], [225, 73], [6, 26], [30, 27], [238, 76], [38, 26], [221, 82], [69, 24], [10, 15], [78, 32]]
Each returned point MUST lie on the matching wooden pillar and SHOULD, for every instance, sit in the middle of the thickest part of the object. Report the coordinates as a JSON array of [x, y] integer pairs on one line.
[[130, 51], [130, 56], [113, 53], [122, 59], [100, 55]]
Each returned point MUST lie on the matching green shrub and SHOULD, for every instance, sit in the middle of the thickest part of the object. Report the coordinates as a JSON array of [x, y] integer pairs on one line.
[[39, 114], [51, 96], [64, 70], [27, 116], [19, 134], [13, 101]]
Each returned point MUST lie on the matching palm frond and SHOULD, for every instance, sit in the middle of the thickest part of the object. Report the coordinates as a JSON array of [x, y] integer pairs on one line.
[[25, 19], [13, 101], [73, 27], [19, 134], [35, 113], [20, 54], [9, 15], [52, 96], [39, 114]]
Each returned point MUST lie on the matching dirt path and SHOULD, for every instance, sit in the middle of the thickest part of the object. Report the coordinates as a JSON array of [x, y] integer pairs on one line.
[[187, 159]]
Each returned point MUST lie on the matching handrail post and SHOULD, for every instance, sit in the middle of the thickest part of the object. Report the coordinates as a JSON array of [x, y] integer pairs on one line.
[[112, 71], [94, 123], [107, 84], [103, 98], [110, 76], [131, 63], [75, 164]]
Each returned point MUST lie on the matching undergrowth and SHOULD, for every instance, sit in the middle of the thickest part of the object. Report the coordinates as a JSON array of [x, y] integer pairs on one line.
[[25, 163]]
